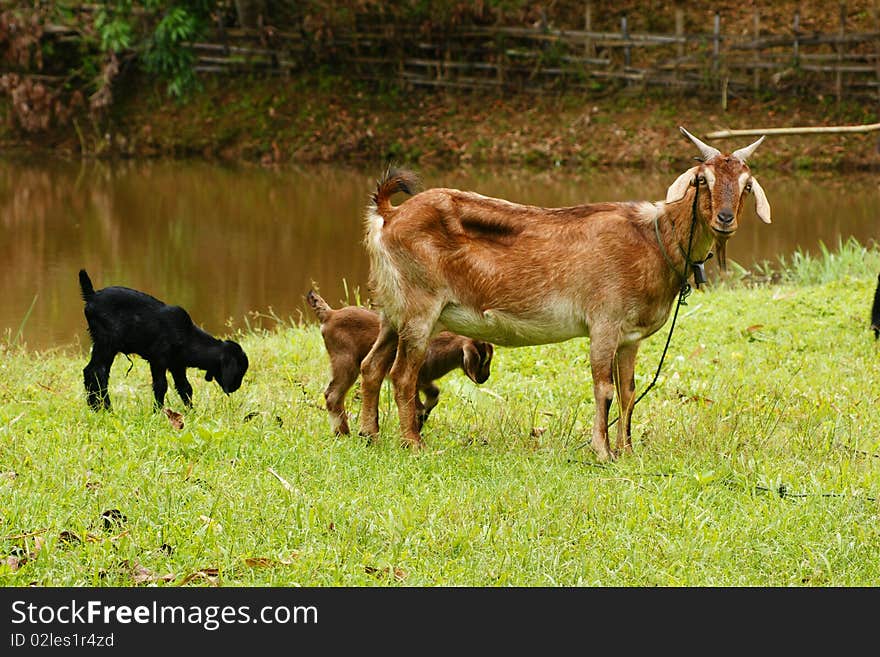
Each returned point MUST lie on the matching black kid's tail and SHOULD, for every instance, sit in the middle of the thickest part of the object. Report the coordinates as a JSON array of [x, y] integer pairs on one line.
[[85, 284]]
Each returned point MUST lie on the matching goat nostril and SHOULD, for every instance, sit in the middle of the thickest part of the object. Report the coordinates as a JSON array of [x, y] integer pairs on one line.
[[725, 217]]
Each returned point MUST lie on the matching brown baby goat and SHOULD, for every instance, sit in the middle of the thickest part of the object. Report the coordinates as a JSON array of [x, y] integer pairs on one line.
[[349, 333]]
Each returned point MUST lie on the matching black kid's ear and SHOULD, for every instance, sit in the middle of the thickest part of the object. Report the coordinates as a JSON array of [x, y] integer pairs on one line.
[[208, 376]]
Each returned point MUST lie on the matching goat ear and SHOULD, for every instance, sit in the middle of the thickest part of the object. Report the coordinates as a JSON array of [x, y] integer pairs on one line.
[[679, 187], [762, 205], [489, 352], [232, 369], [471, 360]]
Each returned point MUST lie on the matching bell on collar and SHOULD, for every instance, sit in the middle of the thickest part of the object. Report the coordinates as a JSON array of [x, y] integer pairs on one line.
[[699, 274]]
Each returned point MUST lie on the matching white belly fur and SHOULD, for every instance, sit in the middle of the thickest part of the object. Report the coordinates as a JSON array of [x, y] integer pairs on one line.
[[556, 323]]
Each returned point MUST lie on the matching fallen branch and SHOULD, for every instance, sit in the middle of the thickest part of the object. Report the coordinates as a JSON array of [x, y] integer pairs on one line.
[[724, 134], [13, 537]]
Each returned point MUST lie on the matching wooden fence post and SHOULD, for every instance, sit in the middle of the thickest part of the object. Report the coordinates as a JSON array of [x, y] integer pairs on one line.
[[838, 76], [796, 30], [499, 70], [589, 47], [756, 80], [877, 46], [716, 38], [627, 54], [679, 33]]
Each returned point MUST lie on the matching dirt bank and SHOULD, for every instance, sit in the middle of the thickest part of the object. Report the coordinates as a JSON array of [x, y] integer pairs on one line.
[[334, 120]]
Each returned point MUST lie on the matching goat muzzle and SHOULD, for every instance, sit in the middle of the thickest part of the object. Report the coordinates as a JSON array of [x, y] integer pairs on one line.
[[725, 218]]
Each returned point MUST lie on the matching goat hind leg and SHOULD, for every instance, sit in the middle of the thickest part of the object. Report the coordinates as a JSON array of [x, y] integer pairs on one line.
[[374, 368], [344, 375], [404, 376]]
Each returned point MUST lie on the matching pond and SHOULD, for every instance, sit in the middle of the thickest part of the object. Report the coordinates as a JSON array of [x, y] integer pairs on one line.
[[240, 246]]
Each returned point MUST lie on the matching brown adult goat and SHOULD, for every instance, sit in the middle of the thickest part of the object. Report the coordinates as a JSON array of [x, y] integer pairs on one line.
[[518, 275]]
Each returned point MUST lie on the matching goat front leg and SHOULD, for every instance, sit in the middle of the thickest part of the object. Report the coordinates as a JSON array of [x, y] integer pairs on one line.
[[96, 378], [182, 384], [432, 396], [374, 368], [160, 384], [624, 377], [601, 363]]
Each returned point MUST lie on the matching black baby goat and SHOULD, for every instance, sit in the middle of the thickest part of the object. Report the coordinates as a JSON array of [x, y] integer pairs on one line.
[[122, 320]]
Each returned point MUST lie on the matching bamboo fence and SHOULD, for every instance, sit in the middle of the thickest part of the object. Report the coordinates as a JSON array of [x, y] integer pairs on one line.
[[841, 64]]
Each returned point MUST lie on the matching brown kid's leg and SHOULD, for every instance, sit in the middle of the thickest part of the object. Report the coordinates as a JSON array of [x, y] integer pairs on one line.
[[345, 373]]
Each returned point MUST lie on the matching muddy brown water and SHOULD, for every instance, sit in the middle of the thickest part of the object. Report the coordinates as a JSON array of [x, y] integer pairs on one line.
[[239, 246]]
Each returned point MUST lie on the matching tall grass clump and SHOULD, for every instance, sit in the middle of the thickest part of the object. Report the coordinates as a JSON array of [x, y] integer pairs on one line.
[[850, 259]]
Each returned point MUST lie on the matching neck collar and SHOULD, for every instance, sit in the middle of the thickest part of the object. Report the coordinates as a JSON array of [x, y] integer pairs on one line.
[[696, 265]]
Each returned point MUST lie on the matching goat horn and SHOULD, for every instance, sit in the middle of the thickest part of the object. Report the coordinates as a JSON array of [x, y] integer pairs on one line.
[[708, 152], [745, 153]]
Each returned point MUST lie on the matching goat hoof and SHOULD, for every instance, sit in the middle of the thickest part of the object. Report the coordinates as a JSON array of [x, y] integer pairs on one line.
[[371, 438], [415, 444], [604, 454], [369, 429]]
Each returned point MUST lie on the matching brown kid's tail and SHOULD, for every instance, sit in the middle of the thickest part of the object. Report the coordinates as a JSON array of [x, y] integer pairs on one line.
[[322, 308]]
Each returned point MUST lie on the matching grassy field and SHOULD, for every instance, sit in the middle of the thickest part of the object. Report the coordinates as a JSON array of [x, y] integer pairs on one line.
[[757, 462]]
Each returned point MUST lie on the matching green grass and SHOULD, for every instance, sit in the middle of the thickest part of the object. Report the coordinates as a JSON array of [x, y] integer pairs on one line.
[[756, 463]]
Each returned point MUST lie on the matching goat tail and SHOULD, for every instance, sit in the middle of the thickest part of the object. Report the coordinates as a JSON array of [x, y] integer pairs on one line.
[[392, 181], [322, 308], [85, 284]]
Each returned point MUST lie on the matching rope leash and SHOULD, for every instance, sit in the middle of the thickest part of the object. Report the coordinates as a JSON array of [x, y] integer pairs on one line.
[[683, 292], [781, 491]]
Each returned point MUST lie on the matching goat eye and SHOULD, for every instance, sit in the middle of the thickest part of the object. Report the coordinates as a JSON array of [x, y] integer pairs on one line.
[[701, 180], [748, 188]]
